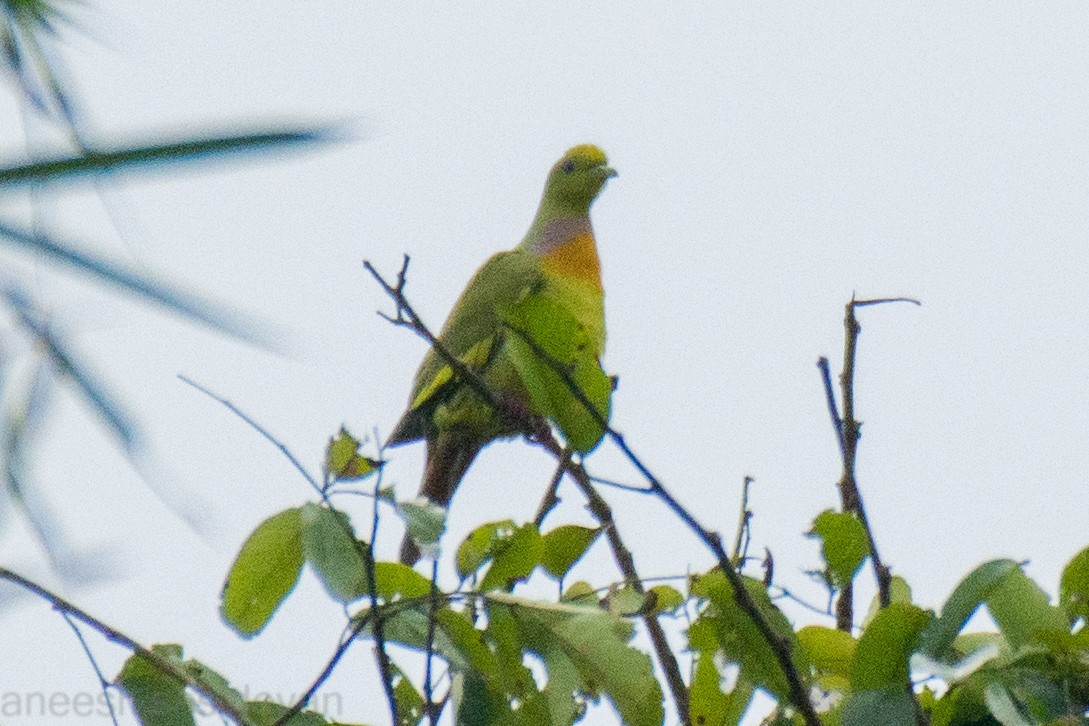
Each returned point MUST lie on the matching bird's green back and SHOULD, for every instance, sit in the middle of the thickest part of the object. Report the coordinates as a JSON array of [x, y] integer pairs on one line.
[[474, 326]]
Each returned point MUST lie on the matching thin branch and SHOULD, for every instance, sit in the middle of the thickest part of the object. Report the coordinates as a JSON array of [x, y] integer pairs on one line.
[[784, 593], [380, 654], [743, 519], [830, 398], [190, 680], [883, 300], [850, 496], [620, 485], [551, 499], [849, 493], [259, 429], [358, 626], [407, 317], [103, 683], [342, 647], [432, 709]]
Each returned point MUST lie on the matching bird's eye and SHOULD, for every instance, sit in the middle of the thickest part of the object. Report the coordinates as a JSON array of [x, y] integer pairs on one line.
[[568, 166]]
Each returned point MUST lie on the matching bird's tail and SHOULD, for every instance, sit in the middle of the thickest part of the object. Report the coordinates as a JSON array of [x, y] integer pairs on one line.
[[448, 458]]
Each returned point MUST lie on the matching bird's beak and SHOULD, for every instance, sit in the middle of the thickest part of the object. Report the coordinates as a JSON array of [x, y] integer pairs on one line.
[[610, 172]]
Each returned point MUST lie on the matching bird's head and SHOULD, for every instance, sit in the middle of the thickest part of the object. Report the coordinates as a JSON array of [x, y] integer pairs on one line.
[[577, 178]]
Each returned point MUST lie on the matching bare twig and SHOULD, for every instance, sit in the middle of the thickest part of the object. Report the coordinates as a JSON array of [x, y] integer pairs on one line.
[[551, 498], [351, 634], [830, 398], [786, 594], [849, 493], [432, 709], [222, 705], [103, 683], [613, 484], [744, 517], [380, 654], [259, 429], [407, 317], [849, 432]]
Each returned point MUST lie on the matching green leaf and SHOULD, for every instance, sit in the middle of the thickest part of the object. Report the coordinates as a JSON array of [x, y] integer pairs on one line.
[[564, 546], [587, 650], [831, 651], [664, 599], [149, 155], [264, 572], [216, 684], [626, 601], [410, 704], [581, 593], [481, 544], [474, 703], [899, 591], [881, 656], [158, 697], [266, 713], [517, 558], [937, 640], [343, 462], [889, 706], [1002, 706], [338, 558], [844, 545], [708, 705], [504, 690], [546, 339], [726, 626], [1022, 611], [1074, 586], [1047, 687], [455, 639], [394, 581], [473, 654], [425, 522]]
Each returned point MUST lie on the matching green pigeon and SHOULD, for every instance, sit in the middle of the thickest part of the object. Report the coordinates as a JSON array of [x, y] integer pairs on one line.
[[557, 260]]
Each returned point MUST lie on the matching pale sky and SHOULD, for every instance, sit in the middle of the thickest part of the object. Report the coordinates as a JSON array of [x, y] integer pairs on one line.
[[773, 158]]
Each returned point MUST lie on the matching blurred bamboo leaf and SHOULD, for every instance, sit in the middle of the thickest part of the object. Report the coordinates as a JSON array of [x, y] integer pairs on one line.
[[133, 282], [69, 167], [20, 49], [35, 14], [21, 426], [70, 367]]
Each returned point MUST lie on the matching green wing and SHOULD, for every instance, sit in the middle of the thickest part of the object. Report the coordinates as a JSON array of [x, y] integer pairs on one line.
[[470, 334]]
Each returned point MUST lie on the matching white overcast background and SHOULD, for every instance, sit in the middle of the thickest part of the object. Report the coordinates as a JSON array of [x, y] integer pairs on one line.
[[773, 159]]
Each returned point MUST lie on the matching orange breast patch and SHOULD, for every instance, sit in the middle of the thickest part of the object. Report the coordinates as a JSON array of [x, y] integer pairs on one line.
[[576, 258]]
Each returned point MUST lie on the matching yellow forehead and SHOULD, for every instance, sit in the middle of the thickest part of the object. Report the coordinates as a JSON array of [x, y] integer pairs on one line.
[[587, 154]]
